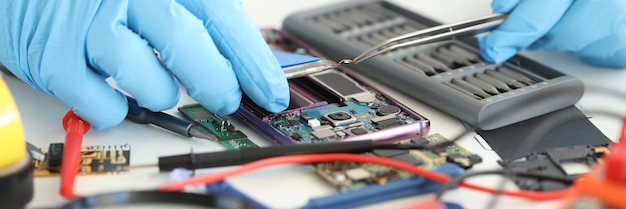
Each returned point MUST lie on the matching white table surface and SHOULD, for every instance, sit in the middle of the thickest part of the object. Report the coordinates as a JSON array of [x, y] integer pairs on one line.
[[291, 186]]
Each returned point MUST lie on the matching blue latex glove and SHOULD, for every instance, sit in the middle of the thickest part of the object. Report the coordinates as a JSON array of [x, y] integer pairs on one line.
[[593, 30], [210, 46]]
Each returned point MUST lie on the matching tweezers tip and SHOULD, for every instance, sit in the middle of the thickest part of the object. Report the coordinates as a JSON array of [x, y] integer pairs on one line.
[[345, 61]]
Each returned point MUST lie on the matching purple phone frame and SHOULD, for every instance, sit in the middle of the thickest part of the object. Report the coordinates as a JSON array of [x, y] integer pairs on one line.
[[389, 135]]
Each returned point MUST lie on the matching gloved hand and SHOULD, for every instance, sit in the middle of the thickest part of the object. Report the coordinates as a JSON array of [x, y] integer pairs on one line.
[[593, 30], [67, 48]]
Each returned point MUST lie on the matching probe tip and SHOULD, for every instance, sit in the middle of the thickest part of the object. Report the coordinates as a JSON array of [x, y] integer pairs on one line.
[[194, 131]]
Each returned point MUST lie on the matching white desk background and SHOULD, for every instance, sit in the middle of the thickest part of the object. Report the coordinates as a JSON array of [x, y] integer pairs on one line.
[[291, 186]]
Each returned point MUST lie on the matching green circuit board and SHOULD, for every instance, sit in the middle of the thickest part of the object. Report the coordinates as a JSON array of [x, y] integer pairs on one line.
[[229, 137], [350, 176], [333, 122]]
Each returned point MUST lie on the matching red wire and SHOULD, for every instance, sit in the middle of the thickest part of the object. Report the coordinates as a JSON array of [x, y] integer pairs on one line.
[[318, 158], [75, 128]]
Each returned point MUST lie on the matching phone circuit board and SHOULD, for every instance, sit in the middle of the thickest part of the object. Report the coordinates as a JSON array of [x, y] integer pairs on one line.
[[350, 176], [336, 121], [93, 160]]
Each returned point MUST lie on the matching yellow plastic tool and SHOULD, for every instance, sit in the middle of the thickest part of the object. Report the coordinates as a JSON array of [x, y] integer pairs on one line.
[[16, 169], [12, 144]]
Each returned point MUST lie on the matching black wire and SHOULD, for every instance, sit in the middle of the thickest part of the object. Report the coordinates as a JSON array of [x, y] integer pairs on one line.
[[133, 199], [499, 189], [400, 146], [464, 176]]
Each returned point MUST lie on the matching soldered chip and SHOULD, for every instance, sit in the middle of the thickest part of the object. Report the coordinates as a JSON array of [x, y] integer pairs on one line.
[[357, 174], [314, 123], [196, 113], [358, 131], [387, 124], [408, 158], [55, 154], [323, 133], [389, 152]]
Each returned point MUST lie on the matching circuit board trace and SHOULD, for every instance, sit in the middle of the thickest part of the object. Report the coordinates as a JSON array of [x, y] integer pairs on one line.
[[94, 160]]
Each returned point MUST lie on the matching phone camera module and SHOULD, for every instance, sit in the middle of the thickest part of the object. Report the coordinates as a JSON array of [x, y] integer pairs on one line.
[[339, 116]]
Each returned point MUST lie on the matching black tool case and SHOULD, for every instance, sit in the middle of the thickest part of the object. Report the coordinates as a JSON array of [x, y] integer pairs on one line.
[[449, 75]]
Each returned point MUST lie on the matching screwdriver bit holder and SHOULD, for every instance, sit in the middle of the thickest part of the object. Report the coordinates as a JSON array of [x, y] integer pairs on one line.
[[449, 75]]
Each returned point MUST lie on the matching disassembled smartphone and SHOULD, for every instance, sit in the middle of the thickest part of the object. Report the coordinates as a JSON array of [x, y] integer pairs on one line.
[[329, 103]]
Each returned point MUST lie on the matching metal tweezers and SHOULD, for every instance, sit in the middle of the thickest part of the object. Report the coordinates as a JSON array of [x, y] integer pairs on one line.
[[431, 35]]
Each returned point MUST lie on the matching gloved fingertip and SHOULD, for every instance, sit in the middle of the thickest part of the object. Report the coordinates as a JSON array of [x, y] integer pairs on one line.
[[227, 108], [224, 104], [103, 119], [277, 105], [107, 109], [495, 54], [106, 112], [159, 103], [503, 6]]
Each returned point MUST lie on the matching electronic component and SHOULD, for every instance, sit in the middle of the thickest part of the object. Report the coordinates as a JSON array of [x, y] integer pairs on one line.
[[93, 160], [388, 110], [323, 134], [343, 86], [217, 125], [335, 173], [408, 158], [437, 157], [561, 161], [55, 154], [397, 188], [350, 176], [340, 118], [357, 174], [383, 124], [328, 122], [358, 131]]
